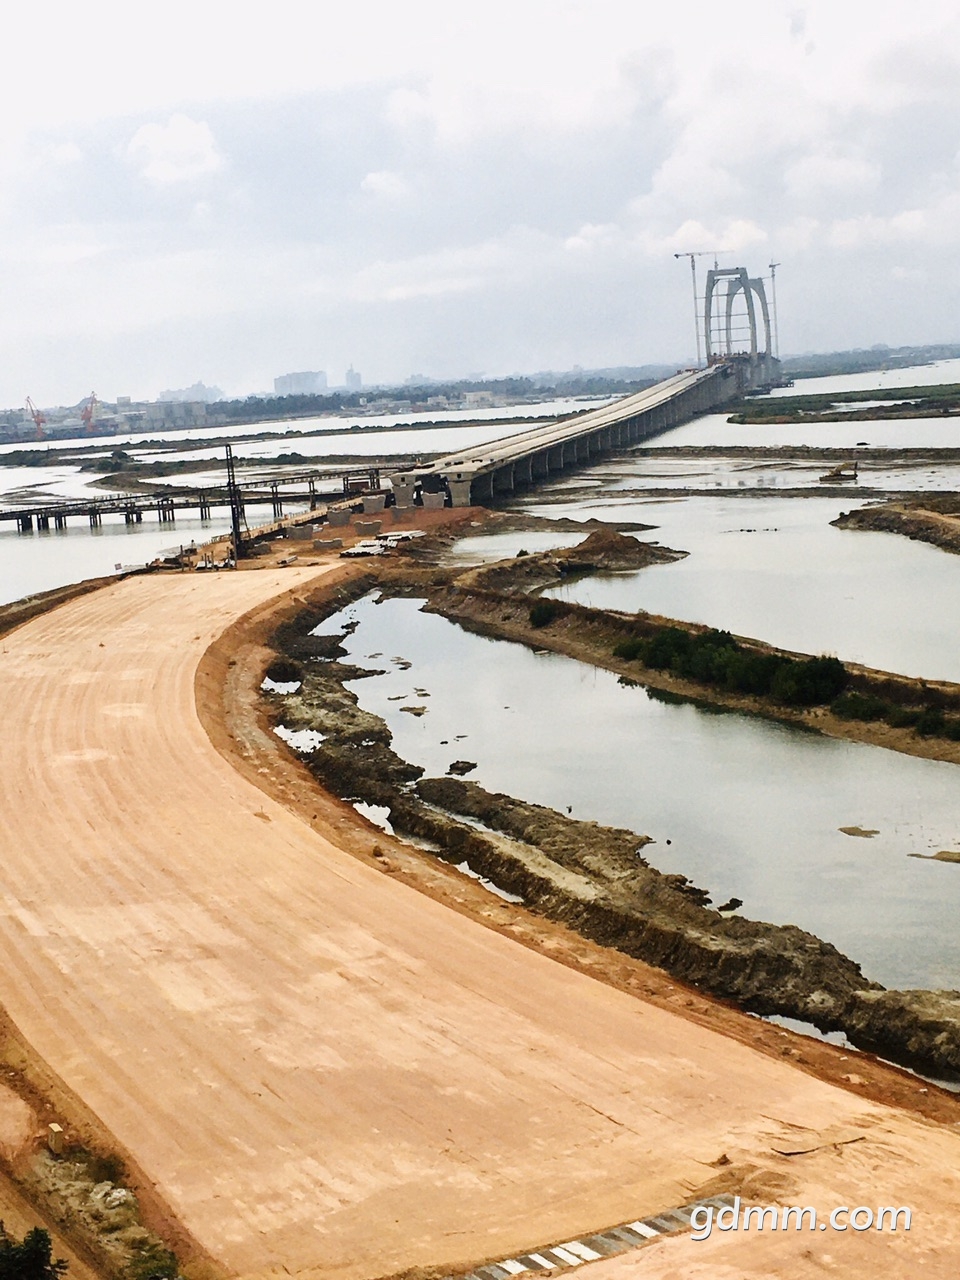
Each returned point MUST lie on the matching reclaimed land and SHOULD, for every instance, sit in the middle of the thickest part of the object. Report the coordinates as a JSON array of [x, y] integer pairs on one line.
[[330, 1054], [591, 878]]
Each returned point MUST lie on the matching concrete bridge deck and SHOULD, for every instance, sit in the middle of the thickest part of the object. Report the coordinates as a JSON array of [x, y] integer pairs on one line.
[[481, 474]]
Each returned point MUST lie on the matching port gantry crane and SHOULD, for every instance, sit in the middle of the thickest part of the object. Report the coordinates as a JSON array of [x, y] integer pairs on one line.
[[38, 416], [88, 411]]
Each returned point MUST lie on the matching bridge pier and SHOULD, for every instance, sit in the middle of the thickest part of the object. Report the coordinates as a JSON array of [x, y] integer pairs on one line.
[[166, 511], [24, 524], [460, 493], [276, 501], [502, 479], [132, 515], [59, 520], [96, 520], [483, 487], [539, 466], [523, 471], [43, 521], [204, 503]]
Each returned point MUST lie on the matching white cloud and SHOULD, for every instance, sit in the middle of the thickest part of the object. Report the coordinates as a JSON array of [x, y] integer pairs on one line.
[[385, 184], [178, 151], [816, 176]]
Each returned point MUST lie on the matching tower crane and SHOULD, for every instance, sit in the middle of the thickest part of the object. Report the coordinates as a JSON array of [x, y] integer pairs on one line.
[[38, 416], [702, 253], [88, 411], [776, 326]]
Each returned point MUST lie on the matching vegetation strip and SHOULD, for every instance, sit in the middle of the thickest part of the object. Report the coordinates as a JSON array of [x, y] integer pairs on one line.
[[895, 402]]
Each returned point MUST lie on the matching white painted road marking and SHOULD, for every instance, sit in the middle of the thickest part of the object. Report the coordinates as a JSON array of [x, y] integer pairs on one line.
[[582, 1251], [631, 1235], [564, 1255], [642, 1229]]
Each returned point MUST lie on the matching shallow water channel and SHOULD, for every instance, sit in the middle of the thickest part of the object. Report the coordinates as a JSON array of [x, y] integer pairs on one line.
[[751, 808]]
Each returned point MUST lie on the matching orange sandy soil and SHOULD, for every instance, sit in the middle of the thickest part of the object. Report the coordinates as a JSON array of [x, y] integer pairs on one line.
[[323, 1071]]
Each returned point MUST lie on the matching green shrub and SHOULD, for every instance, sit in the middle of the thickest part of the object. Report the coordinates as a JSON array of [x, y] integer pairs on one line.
[[630, 649], [859, 706], [902, 717], [154, 1263], [809, 683], [543, 612], [930, 723]]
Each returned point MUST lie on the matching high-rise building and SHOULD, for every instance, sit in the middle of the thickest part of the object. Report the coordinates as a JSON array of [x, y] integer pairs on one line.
[[300, 384], [352, 379]]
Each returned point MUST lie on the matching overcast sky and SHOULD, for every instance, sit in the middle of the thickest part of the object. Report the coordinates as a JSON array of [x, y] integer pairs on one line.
[[226, 192]]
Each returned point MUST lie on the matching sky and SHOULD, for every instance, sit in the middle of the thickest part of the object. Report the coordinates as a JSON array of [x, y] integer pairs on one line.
[[228, 192]]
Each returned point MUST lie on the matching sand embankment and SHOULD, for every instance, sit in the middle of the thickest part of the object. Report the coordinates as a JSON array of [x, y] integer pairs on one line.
[[324, 1071]]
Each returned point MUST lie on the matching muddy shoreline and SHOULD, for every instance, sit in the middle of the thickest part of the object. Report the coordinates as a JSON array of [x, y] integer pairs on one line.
[[932, 518], [591, 878]]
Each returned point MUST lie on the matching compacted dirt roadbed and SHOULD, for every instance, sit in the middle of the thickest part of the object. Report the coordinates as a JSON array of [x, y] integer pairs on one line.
[[326, 1072]]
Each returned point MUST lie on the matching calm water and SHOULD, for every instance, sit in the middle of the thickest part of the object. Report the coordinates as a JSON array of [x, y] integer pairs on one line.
[[636, 472], [774, 569], [924, 375], [898, 433], [752, 808]]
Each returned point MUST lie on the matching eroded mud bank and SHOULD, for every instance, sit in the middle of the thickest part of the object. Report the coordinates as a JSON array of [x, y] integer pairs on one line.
[[934, 518]]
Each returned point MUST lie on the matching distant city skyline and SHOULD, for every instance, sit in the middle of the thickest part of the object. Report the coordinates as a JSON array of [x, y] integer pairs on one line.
[[446, 188]]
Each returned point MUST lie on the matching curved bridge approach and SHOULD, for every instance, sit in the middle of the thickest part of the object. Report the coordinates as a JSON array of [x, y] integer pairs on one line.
[[483, 473]]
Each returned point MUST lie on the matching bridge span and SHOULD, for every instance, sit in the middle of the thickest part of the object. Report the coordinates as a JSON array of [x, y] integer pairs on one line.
[[485, 472]]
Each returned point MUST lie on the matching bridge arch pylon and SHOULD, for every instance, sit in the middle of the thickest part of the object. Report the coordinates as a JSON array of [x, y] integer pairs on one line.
[[725, 284]]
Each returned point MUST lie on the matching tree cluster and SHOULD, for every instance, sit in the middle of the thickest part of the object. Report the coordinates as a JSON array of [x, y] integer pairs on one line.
[[716, 658], [30, 1258]]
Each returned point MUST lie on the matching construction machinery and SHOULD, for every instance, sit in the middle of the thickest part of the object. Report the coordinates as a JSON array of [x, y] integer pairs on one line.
[[38, 416], [88, 412]]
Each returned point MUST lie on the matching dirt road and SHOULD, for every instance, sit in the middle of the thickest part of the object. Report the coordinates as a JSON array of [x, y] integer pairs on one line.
[[326, 1072]]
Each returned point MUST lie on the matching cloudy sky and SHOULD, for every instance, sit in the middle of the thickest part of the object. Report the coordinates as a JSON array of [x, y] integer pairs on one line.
[[225, 192]]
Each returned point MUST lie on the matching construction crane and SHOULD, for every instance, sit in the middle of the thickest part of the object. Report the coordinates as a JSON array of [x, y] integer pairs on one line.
[[88, 411], [702, 253], [38, 416], [776, 326]]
